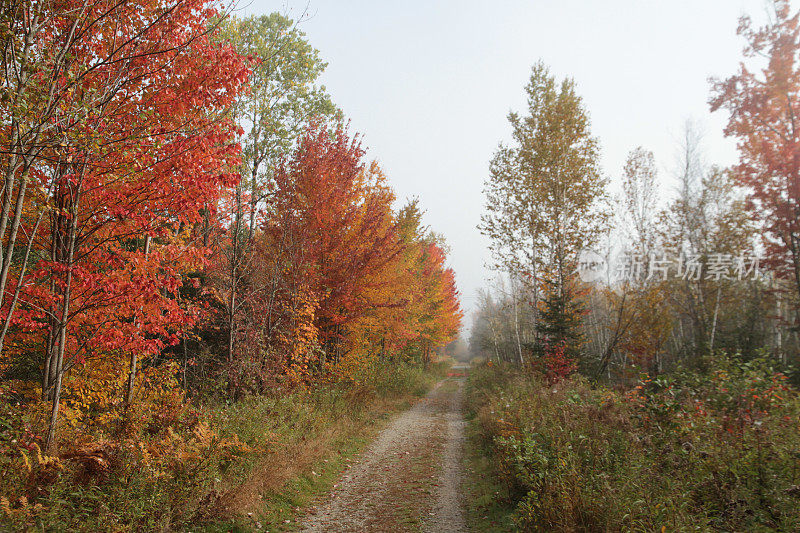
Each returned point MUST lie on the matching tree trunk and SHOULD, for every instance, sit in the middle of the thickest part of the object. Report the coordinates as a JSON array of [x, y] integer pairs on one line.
[[71, 239], [134, 356], [516, 327], [714, 322]]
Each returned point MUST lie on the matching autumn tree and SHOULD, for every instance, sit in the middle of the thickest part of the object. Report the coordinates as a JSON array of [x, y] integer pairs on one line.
[[502, 327], [763, 99], [281, 100], [393, 322], [624, 319], [545, 195], [441, 315], [639, 197], [332, 222], [140, 142]]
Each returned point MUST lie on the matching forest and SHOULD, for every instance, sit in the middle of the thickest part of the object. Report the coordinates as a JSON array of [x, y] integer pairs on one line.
[[640, 342], [191, 237], [220, 310]]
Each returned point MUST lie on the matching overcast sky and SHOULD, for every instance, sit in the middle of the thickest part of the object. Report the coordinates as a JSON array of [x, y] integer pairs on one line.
[[430, 83]]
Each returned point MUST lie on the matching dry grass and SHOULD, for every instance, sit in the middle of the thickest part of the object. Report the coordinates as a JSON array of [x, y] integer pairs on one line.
[[297, 456], [301, 443]]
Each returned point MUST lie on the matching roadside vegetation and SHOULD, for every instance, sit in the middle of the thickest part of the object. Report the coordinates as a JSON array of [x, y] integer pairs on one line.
[[246, 463], [715, 450], [320, 430]]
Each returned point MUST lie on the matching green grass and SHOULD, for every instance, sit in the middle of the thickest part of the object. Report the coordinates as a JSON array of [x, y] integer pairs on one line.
[[488, 506], [276, 507], [279, 510]]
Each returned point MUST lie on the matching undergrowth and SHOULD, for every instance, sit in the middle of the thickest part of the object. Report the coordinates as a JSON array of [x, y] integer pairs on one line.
[[712, 451], [172, 466]]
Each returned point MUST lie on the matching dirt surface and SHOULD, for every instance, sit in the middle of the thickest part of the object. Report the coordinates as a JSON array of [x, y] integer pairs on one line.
[[408, 479], [449, 514]]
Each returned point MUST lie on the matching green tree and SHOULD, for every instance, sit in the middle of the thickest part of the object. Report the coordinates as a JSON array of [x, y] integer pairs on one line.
[[284, 95], [560, 317]]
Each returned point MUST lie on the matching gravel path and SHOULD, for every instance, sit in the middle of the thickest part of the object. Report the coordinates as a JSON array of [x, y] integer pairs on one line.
[[408, 479], [449, 514]]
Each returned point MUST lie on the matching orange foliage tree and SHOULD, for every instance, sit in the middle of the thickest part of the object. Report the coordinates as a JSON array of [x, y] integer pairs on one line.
[[136, 142], [763, 110], [332, 221]]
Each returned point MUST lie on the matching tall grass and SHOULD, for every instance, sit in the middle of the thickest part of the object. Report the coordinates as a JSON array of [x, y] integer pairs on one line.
[[715, 451]]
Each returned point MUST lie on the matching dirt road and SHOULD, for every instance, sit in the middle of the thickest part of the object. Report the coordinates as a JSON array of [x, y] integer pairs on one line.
[[409, 478]]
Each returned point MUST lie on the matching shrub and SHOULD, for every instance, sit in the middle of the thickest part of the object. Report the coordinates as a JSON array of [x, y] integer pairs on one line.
[[699, 451]]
